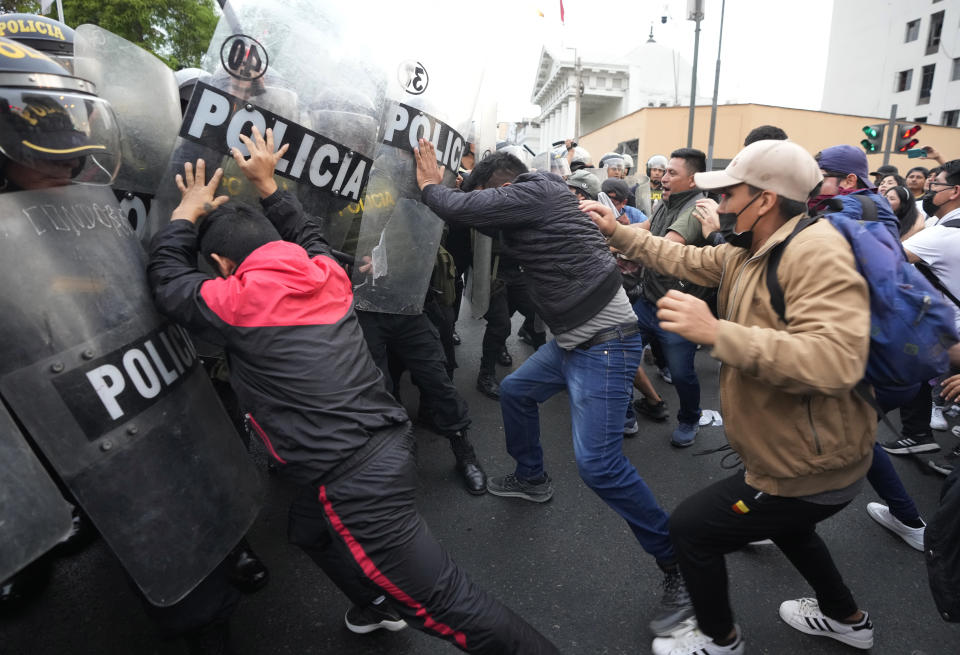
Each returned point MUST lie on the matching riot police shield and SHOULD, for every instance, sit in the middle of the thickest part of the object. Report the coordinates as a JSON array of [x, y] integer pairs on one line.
[[431, 95], [144, 96], [640, 184], [112, 394], [298, 68], [479, 281], [33, 513]]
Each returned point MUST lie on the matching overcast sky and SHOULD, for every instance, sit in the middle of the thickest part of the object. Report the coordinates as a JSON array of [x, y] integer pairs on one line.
[[774, 51]]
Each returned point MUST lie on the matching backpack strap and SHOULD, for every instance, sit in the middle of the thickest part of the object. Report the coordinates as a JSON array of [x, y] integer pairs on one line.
[[867, 206], [777, 301], [953, 222], [935, 281]]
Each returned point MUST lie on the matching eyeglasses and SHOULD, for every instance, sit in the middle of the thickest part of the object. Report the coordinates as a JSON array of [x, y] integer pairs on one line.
[[947, 184]]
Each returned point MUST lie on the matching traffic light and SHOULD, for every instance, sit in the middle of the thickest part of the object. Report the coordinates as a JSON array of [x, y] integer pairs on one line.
[[905, 140], [874, 140]]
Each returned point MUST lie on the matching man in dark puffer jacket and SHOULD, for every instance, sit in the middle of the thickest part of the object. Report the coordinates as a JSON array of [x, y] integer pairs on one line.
[[576, 288]]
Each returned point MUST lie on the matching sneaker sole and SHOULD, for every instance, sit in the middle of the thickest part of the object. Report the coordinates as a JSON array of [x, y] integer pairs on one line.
[[848, 639], [392, 626], [518, 494], [912, 450], [682, 444]]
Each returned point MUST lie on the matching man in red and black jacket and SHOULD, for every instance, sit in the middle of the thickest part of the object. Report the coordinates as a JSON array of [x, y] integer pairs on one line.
[[283, 311]]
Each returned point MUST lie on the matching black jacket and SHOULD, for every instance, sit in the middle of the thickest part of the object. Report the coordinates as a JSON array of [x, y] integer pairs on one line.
[[571, 272], [297, 358]]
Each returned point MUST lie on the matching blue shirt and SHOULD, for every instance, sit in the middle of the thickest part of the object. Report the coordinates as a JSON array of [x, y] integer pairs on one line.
[[634, 214]]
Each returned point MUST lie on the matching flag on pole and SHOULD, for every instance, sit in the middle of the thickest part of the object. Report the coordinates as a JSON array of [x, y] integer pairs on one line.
[[45, 6], [561, 12]]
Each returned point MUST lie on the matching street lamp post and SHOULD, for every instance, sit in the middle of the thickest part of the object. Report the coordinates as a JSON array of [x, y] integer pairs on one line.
[[695, 13], [716, 87]]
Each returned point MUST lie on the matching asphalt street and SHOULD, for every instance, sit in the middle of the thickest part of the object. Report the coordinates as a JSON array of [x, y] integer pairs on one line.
[[571, 566]]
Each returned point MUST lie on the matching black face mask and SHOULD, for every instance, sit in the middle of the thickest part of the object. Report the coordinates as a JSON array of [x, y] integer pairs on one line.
[[929, 207], [728, 222]]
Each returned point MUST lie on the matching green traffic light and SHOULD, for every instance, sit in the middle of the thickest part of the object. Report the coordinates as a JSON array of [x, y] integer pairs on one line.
[[870, 131], [868, 146]]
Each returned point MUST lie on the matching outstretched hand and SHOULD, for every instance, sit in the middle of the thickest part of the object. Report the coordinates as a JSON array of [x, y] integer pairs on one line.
[[262, 161], [603, 216], [196, 197], [428, 172]]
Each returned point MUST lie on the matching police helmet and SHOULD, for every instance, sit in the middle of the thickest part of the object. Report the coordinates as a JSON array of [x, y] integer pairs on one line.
[[657, 161], [46, 35], [47, 115]]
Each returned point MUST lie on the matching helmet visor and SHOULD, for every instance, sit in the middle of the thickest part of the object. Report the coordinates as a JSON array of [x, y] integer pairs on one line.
[[73, 131]]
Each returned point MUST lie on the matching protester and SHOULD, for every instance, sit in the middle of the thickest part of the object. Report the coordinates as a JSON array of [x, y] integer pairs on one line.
[[577, 290], [284, 312], [775, 379]]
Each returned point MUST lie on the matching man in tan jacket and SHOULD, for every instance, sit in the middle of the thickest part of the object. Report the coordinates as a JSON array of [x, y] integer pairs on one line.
[[787, 390]]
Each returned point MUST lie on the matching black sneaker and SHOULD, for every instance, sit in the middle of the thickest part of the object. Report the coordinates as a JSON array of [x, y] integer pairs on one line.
[[675, 605], [653, 411], [946, 465], [373, 617], [911, 445], [510, 486]]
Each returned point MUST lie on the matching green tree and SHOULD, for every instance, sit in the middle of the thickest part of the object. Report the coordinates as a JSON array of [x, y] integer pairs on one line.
[[177, 31]]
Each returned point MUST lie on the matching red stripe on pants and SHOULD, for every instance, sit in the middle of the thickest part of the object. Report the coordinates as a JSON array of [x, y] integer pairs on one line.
[[371, 571]]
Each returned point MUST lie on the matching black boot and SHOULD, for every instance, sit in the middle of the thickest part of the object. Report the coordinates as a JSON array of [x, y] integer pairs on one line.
[[467, 464], [82, 533], [487, 385], [247, 572]]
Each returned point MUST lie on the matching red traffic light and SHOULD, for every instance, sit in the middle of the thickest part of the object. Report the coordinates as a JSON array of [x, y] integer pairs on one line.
[[910, 131], [908, 145]]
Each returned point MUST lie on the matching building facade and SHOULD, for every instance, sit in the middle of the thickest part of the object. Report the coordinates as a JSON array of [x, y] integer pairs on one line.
[[903, 52], [651, 75]]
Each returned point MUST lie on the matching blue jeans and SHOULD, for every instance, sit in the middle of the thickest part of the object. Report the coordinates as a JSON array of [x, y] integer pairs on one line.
[[680, 355], [885, 481], [599, 382]]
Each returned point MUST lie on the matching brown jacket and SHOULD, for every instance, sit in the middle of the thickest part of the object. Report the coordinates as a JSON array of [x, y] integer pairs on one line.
[[787, 395]]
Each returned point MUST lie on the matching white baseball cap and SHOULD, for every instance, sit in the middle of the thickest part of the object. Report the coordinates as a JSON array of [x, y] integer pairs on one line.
[[779, 166]]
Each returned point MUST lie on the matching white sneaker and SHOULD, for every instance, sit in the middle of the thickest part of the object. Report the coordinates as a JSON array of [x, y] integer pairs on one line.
[[937, 421], [804, 615], [881, 514], [690, 641]]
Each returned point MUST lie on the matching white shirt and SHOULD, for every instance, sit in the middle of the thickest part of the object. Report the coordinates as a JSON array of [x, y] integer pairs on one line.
[[939, 248]]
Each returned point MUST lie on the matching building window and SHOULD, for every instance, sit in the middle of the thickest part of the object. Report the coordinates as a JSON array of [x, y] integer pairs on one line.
[[913, 31], [950, 118], [955, 75], [933, 37], [926, 84], [904, 79], [921, 119]]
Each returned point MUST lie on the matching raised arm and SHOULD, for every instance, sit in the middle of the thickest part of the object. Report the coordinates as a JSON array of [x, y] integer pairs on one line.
[[281, 207]]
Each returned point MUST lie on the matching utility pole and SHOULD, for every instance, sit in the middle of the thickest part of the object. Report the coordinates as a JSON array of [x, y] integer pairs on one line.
[[695, 13], [891, 129], [579, 93], [716, 88]]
